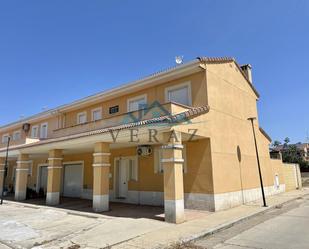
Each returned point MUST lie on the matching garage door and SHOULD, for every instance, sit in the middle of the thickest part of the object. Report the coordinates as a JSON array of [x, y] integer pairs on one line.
[[72, 181]]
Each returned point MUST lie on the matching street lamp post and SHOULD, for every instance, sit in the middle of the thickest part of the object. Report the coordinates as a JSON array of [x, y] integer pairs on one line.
[[258, 161], [5, 168]]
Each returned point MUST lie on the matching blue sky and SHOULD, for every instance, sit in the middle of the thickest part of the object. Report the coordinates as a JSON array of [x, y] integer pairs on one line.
[[54, 52]]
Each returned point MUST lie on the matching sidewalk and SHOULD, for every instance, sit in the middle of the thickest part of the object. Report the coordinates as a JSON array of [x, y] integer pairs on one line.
[[216, 221], [33, 226]]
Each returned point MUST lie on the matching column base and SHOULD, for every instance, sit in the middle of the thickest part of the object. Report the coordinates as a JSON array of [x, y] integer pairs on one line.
[[174, 211], [52, 198], [100, 203], [20, 195]]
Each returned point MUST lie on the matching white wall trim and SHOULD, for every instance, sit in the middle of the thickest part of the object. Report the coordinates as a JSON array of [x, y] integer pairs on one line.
[[102, 154], [101, 164], [55, 158], [19, 169], [20, 162], [172, 146], [172, 160]]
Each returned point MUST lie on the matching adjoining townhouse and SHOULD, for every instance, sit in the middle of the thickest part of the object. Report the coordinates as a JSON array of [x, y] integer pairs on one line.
[[178, 138]]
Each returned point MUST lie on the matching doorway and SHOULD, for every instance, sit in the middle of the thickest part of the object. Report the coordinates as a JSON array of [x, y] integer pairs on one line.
[[125, 170], [73, 180]]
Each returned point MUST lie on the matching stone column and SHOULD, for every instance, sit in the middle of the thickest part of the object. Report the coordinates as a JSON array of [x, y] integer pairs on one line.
[[101, 169], [54, 177], [173, 177], [2, 172], [22, 171]]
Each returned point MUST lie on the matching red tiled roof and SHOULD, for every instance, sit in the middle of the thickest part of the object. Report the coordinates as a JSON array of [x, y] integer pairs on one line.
[[228, 59]]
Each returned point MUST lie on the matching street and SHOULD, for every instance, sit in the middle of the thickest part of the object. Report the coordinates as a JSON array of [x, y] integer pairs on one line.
[[285, 227]]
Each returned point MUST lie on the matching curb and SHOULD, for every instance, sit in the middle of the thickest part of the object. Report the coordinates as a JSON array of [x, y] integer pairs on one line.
[[236, 221]]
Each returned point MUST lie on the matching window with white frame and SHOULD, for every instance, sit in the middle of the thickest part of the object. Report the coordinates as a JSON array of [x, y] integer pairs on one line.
[[16, 135], [96, 114], [81, 118], [35, 131], [158, 165], [44, 130], [137, 103], [5, 138], [180, 93]]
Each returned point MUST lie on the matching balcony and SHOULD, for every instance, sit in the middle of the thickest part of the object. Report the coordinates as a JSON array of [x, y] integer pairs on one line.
[[23, 140], [156, 110]]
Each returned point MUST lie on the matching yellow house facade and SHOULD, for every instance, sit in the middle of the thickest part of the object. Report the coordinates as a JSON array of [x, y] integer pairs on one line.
[[179, 138]]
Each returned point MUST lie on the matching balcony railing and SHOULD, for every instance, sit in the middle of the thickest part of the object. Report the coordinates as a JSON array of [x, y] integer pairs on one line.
[[156, 110]]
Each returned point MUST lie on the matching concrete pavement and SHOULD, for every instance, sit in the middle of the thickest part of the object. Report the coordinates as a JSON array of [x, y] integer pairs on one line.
[[283, 228], [45, 227]]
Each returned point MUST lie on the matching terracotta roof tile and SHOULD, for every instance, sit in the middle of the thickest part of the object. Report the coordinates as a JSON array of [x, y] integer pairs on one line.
[[168, 119]]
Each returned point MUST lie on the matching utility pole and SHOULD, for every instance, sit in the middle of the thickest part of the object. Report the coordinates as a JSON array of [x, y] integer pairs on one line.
[[5, 168], [258, 161]]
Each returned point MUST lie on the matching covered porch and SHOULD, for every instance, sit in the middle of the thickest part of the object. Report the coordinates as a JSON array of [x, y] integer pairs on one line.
[[102, 169]]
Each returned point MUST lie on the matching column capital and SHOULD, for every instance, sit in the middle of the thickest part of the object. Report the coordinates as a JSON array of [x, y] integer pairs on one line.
[[55, 153], [23, 157], [101, 147]]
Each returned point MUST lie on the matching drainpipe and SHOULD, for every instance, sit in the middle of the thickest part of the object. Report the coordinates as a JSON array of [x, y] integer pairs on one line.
[[5, 168]]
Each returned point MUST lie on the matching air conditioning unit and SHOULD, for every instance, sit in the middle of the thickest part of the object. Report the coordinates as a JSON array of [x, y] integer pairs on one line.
[[144, 150]]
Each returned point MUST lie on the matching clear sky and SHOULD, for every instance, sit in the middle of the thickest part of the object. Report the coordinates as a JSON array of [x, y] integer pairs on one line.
[[54, 52]]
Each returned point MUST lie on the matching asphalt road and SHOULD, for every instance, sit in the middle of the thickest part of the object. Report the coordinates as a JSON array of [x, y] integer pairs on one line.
[[286, 227]]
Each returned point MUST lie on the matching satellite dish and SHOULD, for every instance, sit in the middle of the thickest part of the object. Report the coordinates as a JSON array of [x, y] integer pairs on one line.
[[179, 60]]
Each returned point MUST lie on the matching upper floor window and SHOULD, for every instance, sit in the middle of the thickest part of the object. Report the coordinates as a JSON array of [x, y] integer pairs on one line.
[[16, 135], [137, 103], [114, 109], [44, 130], [179, 93], [81, 118], [96, 114], [35, 131], [5, 138]]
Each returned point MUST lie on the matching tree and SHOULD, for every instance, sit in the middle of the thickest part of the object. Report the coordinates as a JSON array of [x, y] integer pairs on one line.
[[276, 143], [286, 140], [292, 155]]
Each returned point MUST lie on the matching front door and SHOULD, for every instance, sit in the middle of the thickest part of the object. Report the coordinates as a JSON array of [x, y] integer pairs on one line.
[[72, 180], [122, 177]]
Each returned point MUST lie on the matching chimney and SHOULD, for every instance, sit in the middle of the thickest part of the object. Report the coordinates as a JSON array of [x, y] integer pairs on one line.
[[247, 69]]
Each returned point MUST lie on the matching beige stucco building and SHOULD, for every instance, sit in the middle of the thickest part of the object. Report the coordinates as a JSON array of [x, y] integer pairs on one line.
[[179, 138]]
